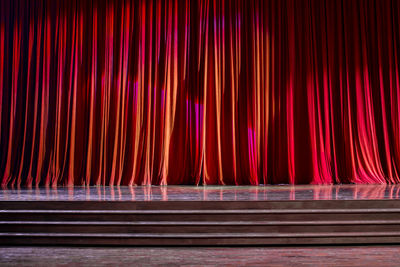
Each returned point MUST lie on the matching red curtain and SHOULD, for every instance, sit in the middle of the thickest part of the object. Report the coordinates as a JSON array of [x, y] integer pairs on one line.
[[199, 92]]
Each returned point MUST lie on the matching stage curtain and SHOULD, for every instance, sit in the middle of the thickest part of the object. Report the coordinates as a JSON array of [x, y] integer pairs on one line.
[[199, 92]]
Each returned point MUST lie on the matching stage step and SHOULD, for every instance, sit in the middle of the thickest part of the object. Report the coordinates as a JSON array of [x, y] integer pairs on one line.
[[175, 239], [197, 227], [199, 223]]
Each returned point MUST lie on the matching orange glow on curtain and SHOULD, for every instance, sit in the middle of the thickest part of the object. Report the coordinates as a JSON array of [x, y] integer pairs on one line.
[[125, 92]]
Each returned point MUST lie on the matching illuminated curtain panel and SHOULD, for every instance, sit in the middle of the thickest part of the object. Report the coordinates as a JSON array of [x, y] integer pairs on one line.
[[199, 92]]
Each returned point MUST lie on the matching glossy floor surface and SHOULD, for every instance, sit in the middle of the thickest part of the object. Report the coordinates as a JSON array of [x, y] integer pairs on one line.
[[292, 256], [206, 193]]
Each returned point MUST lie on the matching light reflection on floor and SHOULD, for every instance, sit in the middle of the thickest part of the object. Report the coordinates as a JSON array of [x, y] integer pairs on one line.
[[203, 193]]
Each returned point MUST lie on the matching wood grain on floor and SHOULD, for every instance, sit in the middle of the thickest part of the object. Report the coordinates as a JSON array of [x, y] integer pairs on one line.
[[201, 256]]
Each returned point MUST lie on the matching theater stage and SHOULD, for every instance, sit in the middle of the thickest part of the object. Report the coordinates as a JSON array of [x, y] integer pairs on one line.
[[203, 215]]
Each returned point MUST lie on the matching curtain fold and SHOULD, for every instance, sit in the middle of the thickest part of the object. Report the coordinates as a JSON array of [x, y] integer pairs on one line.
[[135, 92]]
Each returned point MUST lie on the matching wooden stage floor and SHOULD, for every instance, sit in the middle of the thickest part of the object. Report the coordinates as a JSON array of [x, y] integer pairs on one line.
[[331, 256], [204, 193], [201, 216]]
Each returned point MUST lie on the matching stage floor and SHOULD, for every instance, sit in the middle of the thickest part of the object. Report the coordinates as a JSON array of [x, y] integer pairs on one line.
[[204, 193], [201, 215], [383, 256]]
